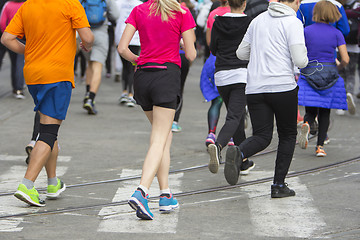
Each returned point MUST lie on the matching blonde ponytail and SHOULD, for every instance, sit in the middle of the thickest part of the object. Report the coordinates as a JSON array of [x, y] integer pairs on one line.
[[165, 8]]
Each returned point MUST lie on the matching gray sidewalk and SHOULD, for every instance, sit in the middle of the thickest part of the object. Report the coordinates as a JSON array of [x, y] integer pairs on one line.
[[112, 146]]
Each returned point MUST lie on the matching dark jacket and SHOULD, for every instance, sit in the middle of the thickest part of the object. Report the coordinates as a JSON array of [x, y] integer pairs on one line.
[[226, 36]]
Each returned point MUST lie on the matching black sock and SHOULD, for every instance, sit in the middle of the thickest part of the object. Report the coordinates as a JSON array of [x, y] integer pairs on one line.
[[92, 96], [165, 195], [87, 88]]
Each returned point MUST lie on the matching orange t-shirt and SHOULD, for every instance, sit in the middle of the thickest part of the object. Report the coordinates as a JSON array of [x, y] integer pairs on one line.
[[49, 27]]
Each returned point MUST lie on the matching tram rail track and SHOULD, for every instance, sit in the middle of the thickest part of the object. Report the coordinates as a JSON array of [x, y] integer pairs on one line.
[[188, 169], [188, 193]]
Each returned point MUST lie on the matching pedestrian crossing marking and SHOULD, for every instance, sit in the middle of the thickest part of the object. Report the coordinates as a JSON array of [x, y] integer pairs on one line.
[[123, 218]]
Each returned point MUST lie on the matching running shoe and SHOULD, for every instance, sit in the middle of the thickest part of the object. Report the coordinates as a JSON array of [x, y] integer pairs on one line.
[[167, 203], [140, 204], [108, 75], [233, 164], [90, 107], [30, 196], [87, 95], [131, 102], [19, 94], [215, 157], [231, 142], [351, 104], [28, 150], [210, 139], [53, 192], [327, 140], [246, 166], [281, 190], [314, 127], [175, 127], [123, 98], [117, 78], [320, 152], [340, 112], [304, 135]]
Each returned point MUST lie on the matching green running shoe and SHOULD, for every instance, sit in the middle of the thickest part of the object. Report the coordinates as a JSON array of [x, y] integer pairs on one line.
[[54, 191], [30, 196]]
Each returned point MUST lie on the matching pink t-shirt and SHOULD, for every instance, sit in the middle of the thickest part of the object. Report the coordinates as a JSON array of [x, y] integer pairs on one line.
[[216, 12], [8, 12], [159, 41]]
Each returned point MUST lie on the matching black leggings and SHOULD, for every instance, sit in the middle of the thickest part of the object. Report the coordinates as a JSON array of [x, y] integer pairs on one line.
[[234, 98], [128, 70], [185, 65], [323, 120], [262, 108]]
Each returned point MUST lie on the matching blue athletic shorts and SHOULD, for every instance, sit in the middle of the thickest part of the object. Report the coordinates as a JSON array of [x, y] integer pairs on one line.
[[52, 99]]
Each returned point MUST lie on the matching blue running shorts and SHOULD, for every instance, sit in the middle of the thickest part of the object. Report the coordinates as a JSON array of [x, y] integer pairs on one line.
[[52, 99]]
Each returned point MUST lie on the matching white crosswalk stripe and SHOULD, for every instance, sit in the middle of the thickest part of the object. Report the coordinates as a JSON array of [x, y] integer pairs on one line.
[[9, 183], [292, 217], [123, 218]]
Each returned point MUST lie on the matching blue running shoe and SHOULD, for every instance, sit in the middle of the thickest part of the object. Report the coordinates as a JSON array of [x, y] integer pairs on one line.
[[166, 204], [140, 204]]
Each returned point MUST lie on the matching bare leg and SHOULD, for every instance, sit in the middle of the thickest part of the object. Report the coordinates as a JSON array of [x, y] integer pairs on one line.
[[41, 153], [95, 77], [50, 166], [163, 171], [161, 120]]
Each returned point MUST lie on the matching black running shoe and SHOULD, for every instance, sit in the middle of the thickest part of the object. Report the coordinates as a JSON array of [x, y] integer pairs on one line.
[[246, 166], [233, 163], [281, 191]]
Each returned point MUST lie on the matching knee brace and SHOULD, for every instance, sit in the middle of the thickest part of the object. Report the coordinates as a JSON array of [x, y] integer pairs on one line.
[[48, 134]]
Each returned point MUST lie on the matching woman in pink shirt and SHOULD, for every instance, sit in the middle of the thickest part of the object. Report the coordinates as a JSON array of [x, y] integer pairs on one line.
[[161, 24], [17, 60]]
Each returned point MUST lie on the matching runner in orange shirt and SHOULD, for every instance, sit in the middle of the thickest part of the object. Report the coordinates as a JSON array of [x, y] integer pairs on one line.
[[50, 28]]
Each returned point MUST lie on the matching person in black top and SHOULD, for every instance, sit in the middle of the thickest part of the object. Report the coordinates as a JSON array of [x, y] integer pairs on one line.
[[230, 78]]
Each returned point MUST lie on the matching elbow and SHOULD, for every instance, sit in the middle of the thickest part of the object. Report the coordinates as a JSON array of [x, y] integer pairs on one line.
[[242, 56], [121, 50], [345, 61], [303, 63], [191, 56]]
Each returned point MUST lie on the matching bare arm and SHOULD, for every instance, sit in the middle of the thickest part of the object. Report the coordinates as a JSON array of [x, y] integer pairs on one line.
[[123, 46], [189, 44], [208, 36], [87, 38], [9, 40], [344, 57]]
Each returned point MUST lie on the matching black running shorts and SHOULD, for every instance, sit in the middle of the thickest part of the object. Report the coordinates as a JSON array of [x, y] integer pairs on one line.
[[157, 85]]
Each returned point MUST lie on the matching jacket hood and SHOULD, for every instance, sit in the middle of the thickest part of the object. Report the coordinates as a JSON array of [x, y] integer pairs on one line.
[[280, 10], [229, 25]]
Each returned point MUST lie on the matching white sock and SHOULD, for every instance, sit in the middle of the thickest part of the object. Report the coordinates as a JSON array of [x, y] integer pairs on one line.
[[165, 191], [146, 191]]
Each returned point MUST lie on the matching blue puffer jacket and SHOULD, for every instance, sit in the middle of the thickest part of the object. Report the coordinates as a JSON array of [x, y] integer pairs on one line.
[[207, 81], [334, 97]]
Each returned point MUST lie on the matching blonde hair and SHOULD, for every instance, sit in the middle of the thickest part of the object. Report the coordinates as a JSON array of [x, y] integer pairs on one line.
[[325, 11], [165, 8]]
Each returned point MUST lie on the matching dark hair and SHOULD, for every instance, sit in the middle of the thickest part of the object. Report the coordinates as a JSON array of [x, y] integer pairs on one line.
[[19, 0], [236, 3], [325, 11]]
